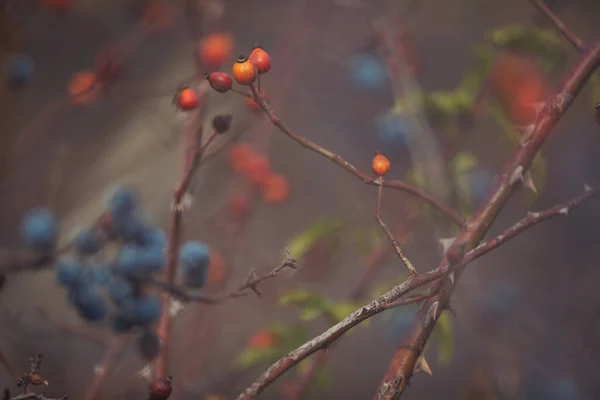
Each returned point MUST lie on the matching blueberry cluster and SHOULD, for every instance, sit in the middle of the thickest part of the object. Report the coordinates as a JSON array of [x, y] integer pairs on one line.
[[136, 251]]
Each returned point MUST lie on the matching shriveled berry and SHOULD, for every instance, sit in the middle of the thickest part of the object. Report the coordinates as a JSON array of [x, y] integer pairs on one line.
[[244, 72], [221, 123], [260, 59], [220, 81], [149, 345], [380, 164], [160, 388]]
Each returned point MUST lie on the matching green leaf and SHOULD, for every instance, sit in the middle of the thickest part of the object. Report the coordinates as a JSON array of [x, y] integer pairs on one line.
[[300, 296], [310, 312], [544, 44], [445, 336], [311, 306], [302, 243], [464, 162], [251, 357], [339, 311], [293, 337]]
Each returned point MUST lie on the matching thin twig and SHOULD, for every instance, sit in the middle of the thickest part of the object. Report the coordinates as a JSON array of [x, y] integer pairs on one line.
[[114, 350], [381, 303], [567, 33], [448, 212]]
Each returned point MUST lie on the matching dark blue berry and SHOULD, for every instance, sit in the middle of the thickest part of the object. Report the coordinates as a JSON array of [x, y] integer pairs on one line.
[[40, 230], [122, 202], [68, 272], [19, 70], [121, 291], [89, 302], [100, 274], [122, 322], [88, 242], [147, 310], [149, 345]]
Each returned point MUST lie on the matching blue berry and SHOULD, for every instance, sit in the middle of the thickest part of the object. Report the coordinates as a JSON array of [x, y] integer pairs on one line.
[[88, 242], [121, 291], [147, 310], [152, 238], [368, 72], [502, 300], [403, 321], [100, 274], [130, 227], [40, 230], [19, 70], [393, 129], [480, 183], [68, 272], [149, 345], [89, 302], [122, 202], [140, 261], [122, 322], [194, 258]]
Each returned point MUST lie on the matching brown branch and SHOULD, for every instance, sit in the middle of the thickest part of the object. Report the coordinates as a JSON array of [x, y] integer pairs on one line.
[[510, 179], [112, 354], [384, 301], [445, 210], [192, 153], [566, 32]]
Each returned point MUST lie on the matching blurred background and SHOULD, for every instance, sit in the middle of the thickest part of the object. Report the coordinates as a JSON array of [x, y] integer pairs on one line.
[[526, 315]]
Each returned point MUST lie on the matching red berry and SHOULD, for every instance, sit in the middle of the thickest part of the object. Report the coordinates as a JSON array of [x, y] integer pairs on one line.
[[160, 388], [260, 59], [380, 164], [220, 81], [186, 99]]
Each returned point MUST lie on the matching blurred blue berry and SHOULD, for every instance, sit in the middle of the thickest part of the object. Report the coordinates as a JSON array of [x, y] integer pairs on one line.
[[122, 322], [368, 72], [147, 310], [194, 258], [130, 227], [140, 261], [152, 238], [551, 389], [121, 291], [402, 322], [89, 302], [480, 183], [68, 272], [393, 129], [100, 274], [19, 69], [40, 230], [149, 345], [122, 202], [88, 242], [502, 300]]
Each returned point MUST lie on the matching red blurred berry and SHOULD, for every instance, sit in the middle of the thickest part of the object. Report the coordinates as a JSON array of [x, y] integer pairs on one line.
[[160, 388], [215, 50], [239, 207], [220, 81], [186, 99]]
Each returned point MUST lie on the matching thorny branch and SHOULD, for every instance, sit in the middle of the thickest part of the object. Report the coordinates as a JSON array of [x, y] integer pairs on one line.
[[566, 32], [463, 250], [509, 180], [32, 377]]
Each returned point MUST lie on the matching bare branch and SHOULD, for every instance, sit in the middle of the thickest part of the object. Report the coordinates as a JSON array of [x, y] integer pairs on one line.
[[448, 212], [408, 354], [567, 33], [386, 300]]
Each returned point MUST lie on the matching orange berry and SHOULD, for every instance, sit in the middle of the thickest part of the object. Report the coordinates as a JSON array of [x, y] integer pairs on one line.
[[275, 189], [240, 155], [57, 5], [82, 89], [262, 340], [253, 105], [260, 59], [244, 72], [257, 170], [380, 164], [239, 207], [215, 49], [186, 99], [219, 81], [216, 268]]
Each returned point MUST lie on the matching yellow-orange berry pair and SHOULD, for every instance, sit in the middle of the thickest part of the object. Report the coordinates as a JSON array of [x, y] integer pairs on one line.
[[380, 165], [247, 69]]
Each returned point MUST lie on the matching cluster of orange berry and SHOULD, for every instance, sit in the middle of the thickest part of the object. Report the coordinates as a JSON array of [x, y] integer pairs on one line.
[[256, 168]]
